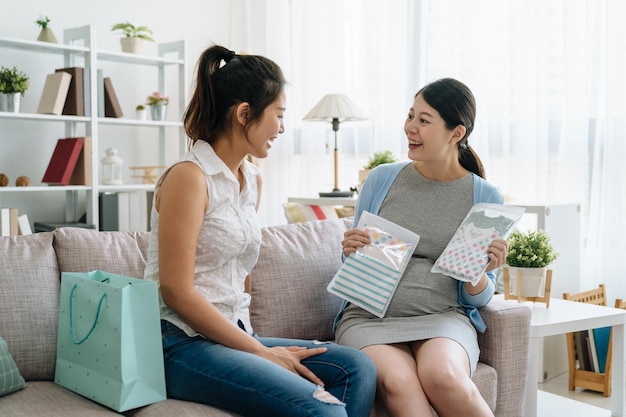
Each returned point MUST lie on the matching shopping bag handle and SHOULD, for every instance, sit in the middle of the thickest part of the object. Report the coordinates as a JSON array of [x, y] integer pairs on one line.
[[95, 321]]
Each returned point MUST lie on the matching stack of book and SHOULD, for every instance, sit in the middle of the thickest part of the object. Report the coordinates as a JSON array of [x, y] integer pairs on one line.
[[70, 163], [591, 349], [55, 92], [66, 92], [12, 223], [125, 211]]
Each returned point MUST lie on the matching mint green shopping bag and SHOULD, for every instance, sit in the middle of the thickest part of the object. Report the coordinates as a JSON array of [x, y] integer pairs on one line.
[[109, 345]]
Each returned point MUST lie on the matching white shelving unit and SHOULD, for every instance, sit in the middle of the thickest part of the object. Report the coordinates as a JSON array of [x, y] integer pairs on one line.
[[79, 49]]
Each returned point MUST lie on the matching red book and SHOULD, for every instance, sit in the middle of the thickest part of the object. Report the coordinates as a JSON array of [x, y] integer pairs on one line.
[[63, 161], [83, 170]]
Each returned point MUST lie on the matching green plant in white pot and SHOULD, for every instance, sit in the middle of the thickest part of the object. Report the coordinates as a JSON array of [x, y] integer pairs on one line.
[[141, 111], [133, 36], [377, 158], [530, 254], [13, 85]]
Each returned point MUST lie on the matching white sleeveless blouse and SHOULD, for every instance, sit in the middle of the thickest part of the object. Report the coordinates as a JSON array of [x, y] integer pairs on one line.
[[229, 241]]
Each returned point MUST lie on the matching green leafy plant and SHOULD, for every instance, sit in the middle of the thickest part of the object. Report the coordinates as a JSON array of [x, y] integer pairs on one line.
[[530, 250], [379, 158], [131, 31], [43, 21], [140, 107], [157, 98], [13, 80]]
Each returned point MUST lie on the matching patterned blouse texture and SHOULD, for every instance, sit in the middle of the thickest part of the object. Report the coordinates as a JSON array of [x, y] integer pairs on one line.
[[229, 241]]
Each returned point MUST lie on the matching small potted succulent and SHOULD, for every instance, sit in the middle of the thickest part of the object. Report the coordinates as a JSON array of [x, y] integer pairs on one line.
[[531, 253], [377, 158], [142, 113], [133, 36], [46, 34], [158, 105], [13, 84]]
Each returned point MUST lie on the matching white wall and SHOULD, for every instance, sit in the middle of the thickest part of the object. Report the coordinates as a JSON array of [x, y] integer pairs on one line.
[[25, 146]]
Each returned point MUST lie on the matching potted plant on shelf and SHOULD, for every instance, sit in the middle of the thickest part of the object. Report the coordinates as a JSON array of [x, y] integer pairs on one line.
[[133, 36], [158, 105], [142, 113], [46, 34], [377, 158], [530, 254], [13, 84]]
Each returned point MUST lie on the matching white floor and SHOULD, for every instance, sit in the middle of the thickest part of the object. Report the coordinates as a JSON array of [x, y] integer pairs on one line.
[[557, 401]]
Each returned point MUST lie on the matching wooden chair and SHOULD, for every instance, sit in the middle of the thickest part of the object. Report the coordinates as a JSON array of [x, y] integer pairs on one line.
[[595, 381]]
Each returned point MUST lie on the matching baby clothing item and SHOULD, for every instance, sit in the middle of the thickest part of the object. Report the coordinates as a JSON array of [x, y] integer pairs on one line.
[[465, 257], [369, 277]]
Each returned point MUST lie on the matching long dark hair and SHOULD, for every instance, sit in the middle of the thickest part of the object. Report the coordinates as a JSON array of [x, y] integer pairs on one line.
[[224, 80], [456, 105]]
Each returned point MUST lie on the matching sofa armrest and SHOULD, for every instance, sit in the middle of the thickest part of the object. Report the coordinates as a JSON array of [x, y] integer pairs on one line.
[[505, 346]]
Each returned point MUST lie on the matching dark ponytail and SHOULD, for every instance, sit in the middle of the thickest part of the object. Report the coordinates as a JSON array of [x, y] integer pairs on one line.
[[456, 105], [224, 80]]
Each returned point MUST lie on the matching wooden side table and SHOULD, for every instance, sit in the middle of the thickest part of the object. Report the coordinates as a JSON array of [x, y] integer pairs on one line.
[[566, 316]]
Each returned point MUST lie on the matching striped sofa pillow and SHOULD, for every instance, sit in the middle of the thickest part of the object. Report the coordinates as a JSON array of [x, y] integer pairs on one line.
[[298, 213]]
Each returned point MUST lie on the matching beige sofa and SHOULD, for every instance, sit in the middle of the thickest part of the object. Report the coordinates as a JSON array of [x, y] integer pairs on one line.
[[289, 299]]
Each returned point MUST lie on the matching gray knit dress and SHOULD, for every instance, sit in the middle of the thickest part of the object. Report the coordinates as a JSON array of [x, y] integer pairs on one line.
[[425, 304]]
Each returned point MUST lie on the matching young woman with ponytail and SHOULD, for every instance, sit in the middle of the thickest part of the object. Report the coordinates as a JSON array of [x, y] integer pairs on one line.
[[204, 242]]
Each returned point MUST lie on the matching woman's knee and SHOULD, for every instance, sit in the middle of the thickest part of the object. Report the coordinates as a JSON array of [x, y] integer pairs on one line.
[[445, 384], [443, 366], [396, 382]]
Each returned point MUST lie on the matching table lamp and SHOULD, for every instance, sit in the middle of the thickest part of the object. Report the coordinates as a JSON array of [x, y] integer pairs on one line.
[[335, 108]]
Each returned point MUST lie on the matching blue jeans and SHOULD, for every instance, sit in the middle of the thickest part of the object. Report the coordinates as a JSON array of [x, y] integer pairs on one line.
[[199, 370]]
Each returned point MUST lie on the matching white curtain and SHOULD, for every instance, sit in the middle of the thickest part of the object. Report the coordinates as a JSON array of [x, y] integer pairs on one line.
[[359, 48], [548, 76], [606, 237], [549, 81]]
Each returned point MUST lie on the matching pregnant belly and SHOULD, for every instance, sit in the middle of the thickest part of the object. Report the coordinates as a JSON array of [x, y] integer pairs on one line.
[[422, 292]]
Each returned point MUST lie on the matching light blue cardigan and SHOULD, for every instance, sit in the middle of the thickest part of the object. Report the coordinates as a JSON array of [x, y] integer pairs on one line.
[[373, 194]]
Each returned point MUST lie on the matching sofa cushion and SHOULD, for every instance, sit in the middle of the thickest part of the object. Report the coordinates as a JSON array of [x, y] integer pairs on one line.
[[507, 335], [171, 408], [45, 398], [296, 263], [84, 250], [29, 302], [486, 380], [10, 378], [297, 212]]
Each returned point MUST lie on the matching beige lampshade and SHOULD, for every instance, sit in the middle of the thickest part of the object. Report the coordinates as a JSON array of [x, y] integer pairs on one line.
[[335, 106]]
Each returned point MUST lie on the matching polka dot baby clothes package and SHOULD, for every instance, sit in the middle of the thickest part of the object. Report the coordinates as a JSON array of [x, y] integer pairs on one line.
[[465, 257], [370, 276]]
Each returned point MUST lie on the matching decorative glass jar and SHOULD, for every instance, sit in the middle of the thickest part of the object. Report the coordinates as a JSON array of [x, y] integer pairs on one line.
[[111, 168]]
